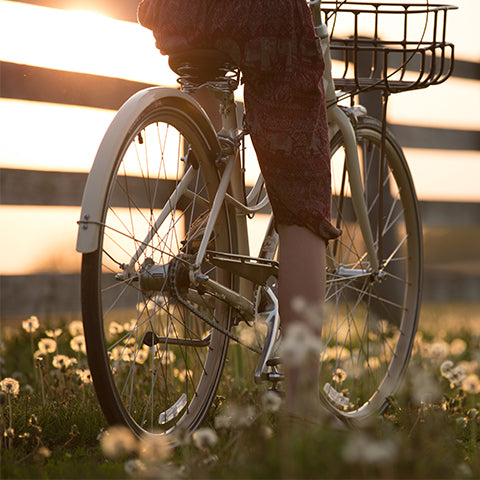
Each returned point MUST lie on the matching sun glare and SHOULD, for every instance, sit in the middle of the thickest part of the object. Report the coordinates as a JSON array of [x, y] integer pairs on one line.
[[80, 41]]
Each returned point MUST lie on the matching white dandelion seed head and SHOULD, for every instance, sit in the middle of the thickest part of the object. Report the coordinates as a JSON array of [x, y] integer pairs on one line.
[[446, 367], [117, 442], [47, 345], [85, 376], [77, 344], [135, 468], [361, 448], [471, 384], [155, 448], [205, 438], [141, 356], [271, 401], [75, 328], [62, 362], [115, 328], [340, 375], [457, 347], [425, 388], [438, 351], [54, 333], [10, 386], [235, 416], [31, 324]]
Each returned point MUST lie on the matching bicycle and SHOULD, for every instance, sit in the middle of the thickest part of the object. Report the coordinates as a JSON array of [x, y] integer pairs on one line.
[[167, 275]]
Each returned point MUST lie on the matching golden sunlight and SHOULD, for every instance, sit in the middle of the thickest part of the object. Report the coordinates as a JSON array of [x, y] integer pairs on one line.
[[80, 41]]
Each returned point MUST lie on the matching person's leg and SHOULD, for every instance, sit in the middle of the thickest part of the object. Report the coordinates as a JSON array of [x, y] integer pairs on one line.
[[302, 274]]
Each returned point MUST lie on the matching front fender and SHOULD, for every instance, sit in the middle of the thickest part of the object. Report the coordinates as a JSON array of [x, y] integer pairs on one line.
[[104, 165]]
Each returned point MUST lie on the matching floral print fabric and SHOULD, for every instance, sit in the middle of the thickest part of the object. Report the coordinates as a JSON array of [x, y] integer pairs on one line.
[[274, 44]]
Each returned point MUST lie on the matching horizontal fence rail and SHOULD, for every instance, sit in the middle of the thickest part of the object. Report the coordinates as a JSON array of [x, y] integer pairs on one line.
[[53, 293]]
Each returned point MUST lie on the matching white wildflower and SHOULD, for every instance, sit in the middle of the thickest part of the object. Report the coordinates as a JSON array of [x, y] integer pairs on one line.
[[135, 468], [471, 384], [10, 386], [77, 344], [115, 328], [155, 448], [62, 362], [205, 438], [47, 345], [360, 448], [457, 346], [75, 328], [340, 375], [271, 401], [117, 442], [31, 324], [54, 333], [235, 416]]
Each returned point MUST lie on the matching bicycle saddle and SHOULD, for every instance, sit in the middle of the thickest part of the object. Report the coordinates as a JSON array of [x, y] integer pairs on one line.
[[203, 65]]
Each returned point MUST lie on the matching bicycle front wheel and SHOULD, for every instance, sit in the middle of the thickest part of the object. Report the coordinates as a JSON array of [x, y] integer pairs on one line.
[[370, 317], [155, 359]]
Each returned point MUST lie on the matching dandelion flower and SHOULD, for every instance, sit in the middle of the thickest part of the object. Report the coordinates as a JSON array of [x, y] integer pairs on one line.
[[44, 452], [117, 442], [438, 350], [205, 438], [55, 333], [75, 328], [455, 374], [425, 388], [155, 448], [235, 416], [135, 468], [446, 367], [10, 386], [361, 448], [31, 324], [84, 375], [339, 375], [471, 384], [457, 347], [47, 345], [115, 328], [77, 344], [62, 362], [130, 325], [271, 401], [141, 356]]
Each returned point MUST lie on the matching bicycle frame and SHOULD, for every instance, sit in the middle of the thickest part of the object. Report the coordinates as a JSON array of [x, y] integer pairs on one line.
[[232, 178]]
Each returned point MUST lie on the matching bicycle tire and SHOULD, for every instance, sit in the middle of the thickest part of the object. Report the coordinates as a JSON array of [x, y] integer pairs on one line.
[[155, 364], [370, 319]]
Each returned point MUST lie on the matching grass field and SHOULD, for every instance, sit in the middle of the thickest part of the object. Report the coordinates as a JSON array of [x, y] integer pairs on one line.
[[52, 426]]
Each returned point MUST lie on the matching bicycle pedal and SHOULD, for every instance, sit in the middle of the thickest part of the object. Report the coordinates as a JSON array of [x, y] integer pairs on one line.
[[273, 362]]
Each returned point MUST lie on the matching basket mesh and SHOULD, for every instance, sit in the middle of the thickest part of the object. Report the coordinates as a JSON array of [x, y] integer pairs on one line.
[[392, 46]]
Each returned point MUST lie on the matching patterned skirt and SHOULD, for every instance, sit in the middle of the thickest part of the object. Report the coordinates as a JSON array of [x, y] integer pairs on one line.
[[273, 42]]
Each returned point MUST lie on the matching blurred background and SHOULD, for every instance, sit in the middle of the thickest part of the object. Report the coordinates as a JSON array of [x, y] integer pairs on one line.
[[66, 66]]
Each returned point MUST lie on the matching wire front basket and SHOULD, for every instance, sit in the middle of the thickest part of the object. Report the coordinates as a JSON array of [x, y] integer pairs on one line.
[[392, 46]]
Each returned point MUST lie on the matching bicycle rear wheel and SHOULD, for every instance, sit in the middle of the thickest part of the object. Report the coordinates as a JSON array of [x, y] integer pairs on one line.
[[370, 317], [155, 360]]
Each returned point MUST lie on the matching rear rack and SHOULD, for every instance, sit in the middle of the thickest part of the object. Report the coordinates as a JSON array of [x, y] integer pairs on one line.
[[392, 47]]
